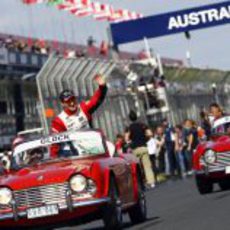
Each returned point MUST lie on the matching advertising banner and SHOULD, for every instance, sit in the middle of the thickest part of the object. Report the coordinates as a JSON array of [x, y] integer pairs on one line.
[[171, 23]]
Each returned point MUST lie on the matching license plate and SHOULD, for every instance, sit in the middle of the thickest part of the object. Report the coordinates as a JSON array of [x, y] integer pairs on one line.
[[227, 170], [42, 211]]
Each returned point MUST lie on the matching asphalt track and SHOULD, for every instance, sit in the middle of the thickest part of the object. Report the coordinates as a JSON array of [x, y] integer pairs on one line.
[[176, 205]]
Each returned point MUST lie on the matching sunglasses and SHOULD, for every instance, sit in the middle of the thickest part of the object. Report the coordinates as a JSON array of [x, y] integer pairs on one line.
[[70, 100]]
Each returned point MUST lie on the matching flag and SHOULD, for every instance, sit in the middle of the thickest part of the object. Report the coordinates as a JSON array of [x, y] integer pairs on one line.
[[101, 11], [69, 4], [86, 9], [56, 2], [74, 5], [116, 16], [124, 15], [33, 1], [134, 15]]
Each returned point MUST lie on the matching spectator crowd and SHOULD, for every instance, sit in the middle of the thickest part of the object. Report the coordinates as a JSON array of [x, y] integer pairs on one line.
[[41, 46], [166, 151]]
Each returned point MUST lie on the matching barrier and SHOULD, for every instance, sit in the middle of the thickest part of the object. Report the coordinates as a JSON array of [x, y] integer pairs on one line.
[[77, 74]]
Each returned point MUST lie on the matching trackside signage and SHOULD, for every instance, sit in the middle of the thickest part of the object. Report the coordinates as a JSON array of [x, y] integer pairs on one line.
[[171, 23]]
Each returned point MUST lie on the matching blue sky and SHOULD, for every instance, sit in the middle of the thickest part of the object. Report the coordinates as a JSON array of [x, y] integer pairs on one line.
[[210, 48]]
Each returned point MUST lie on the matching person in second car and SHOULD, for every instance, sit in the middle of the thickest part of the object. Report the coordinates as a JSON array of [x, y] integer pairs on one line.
[[215, 112]]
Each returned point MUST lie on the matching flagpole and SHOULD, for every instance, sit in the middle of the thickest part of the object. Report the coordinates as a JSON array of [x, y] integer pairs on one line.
[[113, 53], [147, 48]]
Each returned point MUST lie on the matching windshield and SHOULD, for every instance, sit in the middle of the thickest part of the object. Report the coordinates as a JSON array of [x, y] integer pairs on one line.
[[73, 145], [221, 126]]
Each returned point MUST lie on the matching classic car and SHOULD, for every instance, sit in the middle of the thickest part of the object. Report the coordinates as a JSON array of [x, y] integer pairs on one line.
[[84, 182], [211, 160]]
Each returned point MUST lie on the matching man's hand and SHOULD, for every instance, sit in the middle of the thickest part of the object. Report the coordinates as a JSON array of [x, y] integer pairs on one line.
[[99, 79]]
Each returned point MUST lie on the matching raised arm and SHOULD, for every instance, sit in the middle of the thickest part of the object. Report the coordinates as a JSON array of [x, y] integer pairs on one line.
[[99, 95]]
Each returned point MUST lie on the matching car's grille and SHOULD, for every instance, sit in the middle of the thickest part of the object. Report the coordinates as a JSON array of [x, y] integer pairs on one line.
[[5, 207], [223, 160], [43, 195]]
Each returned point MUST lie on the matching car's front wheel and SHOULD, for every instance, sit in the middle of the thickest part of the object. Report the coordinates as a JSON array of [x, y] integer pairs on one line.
[[204, 185], [138, 213], [112, 212], [224, 185]]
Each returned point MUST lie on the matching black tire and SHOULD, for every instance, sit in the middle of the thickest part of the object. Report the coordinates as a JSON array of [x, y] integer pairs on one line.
[[138, 213], [112, 212], [224, 185], [204, 186]]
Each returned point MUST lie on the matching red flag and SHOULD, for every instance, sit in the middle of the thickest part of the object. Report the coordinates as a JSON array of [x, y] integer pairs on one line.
[[29, 1], [33, 1], [73, 4], [85, 10], [101, 11], [124, 15], [116, 16]]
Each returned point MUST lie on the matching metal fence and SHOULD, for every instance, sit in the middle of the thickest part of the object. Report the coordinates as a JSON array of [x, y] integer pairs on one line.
[[77, 74], [190, 90]]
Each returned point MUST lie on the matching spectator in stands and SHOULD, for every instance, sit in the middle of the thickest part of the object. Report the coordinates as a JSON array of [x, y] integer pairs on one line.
[[136, 133], [9, 41], [104, 48], [90, 41]]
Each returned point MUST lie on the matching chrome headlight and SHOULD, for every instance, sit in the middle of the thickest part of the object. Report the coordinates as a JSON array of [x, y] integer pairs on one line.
[[5, 196], [210, 156], [78, 183]]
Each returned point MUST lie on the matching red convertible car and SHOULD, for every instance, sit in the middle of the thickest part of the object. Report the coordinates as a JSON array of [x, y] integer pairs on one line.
[[211, 161], [83, 183]]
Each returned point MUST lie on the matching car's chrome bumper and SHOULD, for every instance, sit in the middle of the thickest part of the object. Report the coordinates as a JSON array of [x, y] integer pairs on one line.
[[213, 172], [70, 206], [208, 170]]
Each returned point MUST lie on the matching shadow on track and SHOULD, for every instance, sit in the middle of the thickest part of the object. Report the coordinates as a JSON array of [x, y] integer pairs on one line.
[[149, 222]]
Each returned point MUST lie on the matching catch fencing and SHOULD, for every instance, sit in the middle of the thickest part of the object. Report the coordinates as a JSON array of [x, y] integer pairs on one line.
[[77, 74], [190, 90]]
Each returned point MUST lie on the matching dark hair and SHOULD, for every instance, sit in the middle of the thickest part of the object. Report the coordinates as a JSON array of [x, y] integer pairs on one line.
[[66, 94], [179, 127], [214, 104], [132, 115], [119, 135]]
